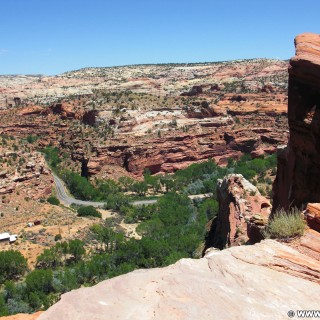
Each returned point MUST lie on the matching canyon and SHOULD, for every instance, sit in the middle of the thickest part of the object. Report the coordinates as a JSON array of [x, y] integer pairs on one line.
[[121, 121], [217, 111], [248, 278]]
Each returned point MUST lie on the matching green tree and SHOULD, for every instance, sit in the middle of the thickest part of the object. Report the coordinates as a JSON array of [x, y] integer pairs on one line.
[[13, 265], [79, 186], [88, 211], [76, 248], [39, 281], [140, 188], [209, 208], [126, 183], [52, 156], [50, 258]]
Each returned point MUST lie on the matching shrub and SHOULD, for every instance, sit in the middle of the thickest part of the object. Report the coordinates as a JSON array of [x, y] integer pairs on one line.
[[13, 265], [39, 281], [53, 200], [57, 237], [285, 225], [31, 139], [3, 308], [88, 211]]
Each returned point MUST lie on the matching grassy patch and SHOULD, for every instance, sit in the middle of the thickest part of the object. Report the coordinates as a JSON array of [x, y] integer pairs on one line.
[[285, 225]]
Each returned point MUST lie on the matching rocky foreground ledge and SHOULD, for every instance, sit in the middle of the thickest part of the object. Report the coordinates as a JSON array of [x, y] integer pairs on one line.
[[263, 281]]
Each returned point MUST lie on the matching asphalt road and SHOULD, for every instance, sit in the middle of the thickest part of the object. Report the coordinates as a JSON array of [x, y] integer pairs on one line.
[[65, 198]]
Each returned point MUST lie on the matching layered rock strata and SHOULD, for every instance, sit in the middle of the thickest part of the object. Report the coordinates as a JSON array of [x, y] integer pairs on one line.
[[297, 181], [133, 149], [312, 214]]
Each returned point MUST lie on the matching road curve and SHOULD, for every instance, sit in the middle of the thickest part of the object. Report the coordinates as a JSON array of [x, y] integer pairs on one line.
[[65, 198]]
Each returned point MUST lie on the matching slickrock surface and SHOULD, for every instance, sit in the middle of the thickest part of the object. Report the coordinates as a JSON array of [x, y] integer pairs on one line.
[[309, 244], [23, 316], [298, 174], [263, 281], [242, 212]]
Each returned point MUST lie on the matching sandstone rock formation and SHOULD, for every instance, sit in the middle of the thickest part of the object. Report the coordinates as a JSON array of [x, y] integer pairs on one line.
[[253, 74], [243, 212], [27, 172], [298, 175], [23, 316], [106, 125], [312, 214], [263, 281], [147, 139]]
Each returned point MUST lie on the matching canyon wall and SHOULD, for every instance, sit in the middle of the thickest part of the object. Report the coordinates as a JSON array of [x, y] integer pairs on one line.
[[297, 181], [234, 130]]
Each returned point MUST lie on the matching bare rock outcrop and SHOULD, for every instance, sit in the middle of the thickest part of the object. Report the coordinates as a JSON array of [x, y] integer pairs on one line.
[[243, 212], [68, 111], [194, 91], [23, 316], [297, 181], [32, 176], [312, 214], [263, 281]]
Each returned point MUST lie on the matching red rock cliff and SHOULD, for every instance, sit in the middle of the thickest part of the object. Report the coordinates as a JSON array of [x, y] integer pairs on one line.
[[297, 181]]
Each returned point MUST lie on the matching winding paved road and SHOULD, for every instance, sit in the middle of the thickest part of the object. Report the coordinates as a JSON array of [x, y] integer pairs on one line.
[[65, 198]]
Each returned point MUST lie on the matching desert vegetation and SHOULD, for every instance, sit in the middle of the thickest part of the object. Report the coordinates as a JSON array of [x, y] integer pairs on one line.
[[285, 224], [170, 229], [119, 112]]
